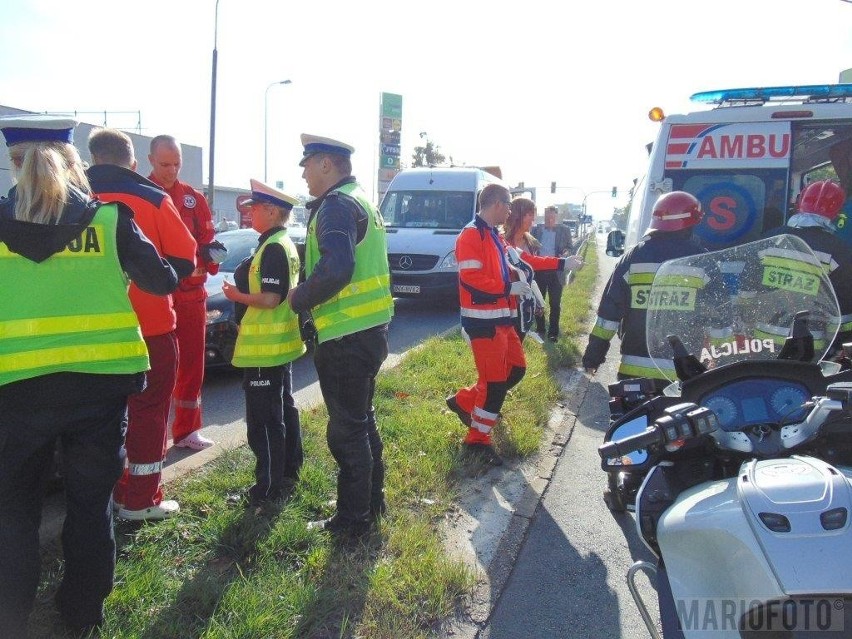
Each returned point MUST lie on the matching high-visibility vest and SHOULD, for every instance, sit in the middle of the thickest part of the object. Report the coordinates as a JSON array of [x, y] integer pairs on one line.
[[270, 336], [69, 313], [366, 300]]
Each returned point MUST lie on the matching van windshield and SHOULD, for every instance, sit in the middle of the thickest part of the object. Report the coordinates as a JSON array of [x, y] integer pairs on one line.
[[428, 209]]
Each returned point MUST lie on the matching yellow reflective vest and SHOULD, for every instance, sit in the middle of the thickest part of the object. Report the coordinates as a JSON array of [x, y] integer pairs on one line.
[[270, 336], [69, 313], [365, 301]]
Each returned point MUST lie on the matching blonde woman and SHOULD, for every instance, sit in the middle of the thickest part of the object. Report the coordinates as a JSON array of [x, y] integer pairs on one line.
[[71, 351]]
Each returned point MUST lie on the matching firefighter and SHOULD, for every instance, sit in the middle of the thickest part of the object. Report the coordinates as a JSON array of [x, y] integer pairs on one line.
[[814, 222], [267, 343], [624, 303], [489, 288]]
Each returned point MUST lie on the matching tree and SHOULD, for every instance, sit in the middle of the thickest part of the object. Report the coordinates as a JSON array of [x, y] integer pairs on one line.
[[428, 155]]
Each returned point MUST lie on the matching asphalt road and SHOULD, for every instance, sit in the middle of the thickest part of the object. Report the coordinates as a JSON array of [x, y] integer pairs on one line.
[[569, 578]]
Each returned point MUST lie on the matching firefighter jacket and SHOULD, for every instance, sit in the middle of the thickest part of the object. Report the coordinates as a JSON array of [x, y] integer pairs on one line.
[[836, 259], [270, 336], [363, 300], [624, 304]]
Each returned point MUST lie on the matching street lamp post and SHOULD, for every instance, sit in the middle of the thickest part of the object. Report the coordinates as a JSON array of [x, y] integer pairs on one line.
[[266, 121], [211, 189]]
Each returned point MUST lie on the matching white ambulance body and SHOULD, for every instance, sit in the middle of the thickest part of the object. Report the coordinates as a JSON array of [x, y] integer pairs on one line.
[[424, 211], [748, 158]]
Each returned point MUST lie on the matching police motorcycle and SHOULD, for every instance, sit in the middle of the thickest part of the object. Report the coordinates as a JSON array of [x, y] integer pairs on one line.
[[743, 464]]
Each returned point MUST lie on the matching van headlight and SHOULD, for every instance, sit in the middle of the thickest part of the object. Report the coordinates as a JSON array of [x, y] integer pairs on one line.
[[449, 262]]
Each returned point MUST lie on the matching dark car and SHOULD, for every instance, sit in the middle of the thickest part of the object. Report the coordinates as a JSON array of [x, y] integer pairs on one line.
[[221, 321]]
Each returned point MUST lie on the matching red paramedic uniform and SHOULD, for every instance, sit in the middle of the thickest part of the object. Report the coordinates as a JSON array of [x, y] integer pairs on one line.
[[189, 304], [148, 412]]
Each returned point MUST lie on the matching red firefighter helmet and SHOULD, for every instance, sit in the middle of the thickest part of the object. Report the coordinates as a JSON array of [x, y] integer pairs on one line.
[[676, 211], [823, 198]]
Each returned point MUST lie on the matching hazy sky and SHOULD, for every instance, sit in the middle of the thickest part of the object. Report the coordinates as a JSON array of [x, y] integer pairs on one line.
[[548, 91]]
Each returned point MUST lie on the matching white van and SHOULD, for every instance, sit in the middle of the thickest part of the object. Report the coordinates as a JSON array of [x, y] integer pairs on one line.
[[424, 210], [748, 158]]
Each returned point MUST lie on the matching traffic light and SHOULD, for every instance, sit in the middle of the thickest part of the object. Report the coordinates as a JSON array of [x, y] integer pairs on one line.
[[615, 191], [553, 187]]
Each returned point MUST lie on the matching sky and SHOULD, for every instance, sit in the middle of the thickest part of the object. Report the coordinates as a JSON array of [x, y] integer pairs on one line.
[[547, 91]]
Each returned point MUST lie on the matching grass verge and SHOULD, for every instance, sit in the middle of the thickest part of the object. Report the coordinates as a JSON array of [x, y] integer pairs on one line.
[[221, 571]]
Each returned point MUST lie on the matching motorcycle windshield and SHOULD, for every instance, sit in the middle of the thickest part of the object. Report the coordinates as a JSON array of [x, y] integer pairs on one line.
[[739, 304]]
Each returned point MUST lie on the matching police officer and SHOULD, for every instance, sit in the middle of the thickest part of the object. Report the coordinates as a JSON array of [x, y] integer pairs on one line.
[[814, 221], [71, 352], [267, 343], [347, 291], [624, 303]]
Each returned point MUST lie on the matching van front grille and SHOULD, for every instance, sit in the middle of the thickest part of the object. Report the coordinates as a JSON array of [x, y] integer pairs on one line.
[[411, 262]]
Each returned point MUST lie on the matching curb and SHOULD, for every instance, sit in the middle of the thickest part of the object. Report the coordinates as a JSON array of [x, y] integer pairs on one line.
[[472, 620]]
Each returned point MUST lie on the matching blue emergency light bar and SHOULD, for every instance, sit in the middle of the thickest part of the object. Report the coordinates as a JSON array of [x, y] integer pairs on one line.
[[766, 94]]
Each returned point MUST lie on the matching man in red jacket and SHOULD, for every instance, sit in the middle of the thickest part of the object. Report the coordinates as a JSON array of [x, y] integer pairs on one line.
[[488, 291], [189, 298], [138, 493]]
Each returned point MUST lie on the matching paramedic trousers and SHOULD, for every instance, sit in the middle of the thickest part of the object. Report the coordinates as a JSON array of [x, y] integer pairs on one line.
[[347, 369], [91, 436], [500, 365], [191, 314], [273, 430], [147, 428]]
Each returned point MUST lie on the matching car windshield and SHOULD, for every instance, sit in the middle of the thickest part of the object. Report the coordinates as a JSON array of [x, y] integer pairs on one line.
[[240, 245]]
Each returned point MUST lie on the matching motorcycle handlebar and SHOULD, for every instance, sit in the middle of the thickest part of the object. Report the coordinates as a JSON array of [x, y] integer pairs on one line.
[[620, 448]]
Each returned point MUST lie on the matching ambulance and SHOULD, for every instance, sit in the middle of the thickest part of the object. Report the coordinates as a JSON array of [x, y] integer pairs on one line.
[[424, 210], [747, 158]]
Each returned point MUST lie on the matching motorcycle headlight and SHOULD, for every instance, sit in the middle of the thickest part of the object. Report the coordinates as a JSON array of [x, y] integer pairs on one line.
[[213, 315], [449, 262]]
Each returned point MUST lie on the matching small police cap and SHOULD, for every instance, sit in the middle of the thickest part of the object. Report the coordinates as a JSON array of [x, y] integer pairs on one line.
[[262, 193], [37, 128], [316, 144]]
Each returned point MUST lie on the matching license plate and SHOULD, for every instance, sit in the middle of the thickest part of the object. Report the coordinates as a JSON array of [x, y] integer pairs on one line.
[[405, 288]]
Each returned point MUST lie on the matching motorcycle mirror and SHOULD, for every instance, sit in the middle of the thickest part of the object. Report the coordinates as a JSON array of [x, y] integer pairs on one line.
[[686, 365], [840, 392], [799, 346]]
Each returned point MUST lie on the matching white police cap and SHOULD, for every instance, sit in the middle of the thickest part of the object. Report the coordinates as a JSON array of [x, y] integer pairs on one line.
[[37, 128], [317, 144], [263, 193]]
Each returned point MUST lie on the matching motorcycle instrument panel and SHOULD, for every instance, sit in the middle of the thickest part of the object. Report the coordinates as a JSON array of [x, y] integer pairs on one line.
[[751, 402]]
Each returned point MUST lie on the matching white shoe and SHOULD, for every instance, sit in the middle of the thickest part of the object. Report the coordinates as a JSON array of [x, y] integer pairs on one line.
[[195, 441], [165, 509]]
